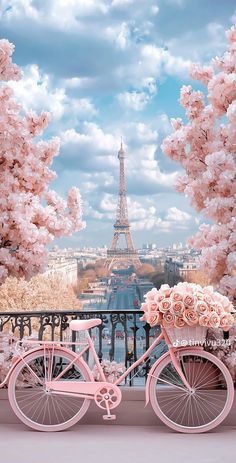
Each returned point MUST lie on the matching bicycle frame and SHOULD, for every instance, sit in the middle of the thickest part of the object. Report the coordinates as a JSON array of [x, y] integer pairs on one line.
[[80, 389], [88, 388]]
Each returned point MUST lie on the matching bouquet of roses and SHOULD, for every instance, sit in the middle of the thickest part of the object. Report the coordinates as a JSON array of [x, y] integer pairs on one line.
[[187, 304]]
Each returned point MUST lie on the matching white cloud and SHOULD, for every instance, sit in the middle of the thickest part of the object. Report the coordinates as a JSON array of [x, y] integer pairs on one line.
[[139, 132], [89, 150], [93, 136], [163, 124], [81, 107], [179, 3], [150, 84], [214, 28], [137, 100], [108, 203], [133, 100], [148, 219], [19, 8], [142, 215], [151, 223], [62, 14], [36, 91], [142, 163], [154, 9], [233, 17], [176, 215], [119, 35], [122, 39], [155, 60], [200, 44], [118, 3], [78, 82]]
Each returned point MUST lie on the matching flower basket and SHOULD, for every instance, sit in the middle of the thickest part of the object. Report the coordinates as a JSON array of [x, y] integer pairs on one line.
[[187, 336], [187, 310]]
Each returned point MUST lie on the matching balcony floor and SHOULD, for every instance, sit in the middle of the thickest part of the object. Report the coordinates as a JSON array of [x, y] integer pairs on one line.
[[114, 443]]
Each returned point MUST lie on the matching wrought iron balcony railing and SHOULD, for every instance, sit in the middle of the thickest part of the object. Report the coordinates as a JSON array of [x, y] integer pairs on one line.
[[121, 336]]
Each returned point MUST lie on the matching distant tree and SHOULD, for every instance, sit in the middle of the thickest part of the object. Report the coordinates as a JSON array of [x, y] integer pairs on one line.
[[89, 267], [158, 279], [145, 269], [40, 293], [90, 275], [206, 148], [101, 272], [197, 277], [30, 214]]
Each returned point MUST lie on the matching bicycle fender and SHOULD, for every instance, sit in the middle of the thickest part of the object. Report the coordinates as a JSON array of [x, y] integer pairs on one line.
[[150, 375]]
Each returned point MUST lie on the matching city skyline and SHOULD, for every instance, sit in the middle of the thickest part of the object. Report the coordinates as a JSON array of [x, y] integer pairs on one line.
[[132, 67]]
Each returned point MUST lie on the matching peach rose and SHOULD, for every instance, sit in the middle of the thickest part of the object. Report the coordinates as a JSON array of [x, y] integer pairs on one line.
[[226, 321], [204, 320], [189, 300], [208, 290], [218, 308], [190, 317], [207, 298], [144, 307], [199, 296], [179, 322], [176, 296], [164, 287], [202, 308], [214, 321], [177, 307], [154, 319], [228, 309], [159, 297], [168, 320], [150, 295], [152, 307], [165, 305]]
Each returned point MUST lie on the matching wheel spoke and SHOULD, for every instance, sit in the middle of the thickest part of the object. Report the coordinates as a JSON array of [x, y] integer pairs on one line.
[[37, 406], [204, 405]]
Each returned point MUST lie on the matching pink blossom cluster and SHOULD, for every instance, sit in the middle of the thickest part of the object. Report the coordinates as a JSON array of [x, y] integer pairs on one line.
[[187, 304], [9, 353], [30, 214], [112, 370], [205, 147]]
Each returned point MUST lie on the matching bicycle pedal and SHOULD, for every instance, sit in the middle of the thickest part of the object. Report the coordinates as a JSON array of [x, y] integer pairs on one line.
[[109, 417]]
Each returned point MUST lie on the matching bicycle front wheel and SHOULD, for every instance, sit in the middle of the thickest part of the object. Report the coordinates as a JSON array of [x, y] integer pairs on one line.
[[205, 406], [33, 404]]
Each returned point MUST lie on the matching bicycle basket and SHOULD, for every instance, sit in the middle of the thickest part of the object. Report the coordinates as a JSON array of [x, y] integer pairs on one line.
[[187, 336]]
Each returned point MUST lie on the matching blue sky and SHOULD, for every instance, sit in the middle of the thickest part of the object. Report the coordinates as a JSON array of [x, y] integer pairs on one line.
[[112, 68]]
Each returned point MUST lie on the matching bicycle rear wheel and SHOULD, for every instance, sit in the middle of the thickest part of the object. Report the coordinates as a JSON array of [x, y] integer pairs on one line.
[[32, 404], [205, 406]]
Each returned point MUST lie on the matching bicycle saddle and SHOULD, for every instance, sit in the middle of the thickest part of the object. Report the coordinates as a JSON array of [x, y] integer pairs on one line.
[[79, 325]]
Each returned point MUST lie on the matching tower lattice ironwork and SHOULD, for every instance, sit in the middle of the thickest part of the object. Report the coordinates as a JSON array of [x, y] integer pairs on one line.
[[117, 256]]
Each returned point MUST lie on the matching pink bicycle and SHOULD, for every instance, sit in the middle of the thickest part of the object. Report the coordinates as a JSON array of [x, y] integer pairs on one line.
[[50, 387]]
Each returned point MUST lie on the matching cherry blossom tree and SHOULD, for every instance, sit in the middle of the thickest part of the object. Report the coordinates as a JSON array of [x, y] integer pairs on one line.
[[31, 215], [206, 148]]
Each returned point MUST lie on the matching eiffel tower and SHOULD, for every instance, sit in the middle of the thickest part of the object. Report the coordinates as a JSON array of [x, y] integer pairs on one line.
[[117, 257]]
